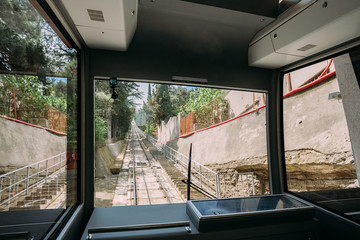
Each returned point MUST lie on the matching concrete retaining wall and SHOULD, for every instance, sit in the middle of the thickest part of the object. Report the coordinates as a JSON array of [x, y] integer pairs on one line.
[[240, 101], [243, 138], [169, 130], [105, 158], [317, 142], [312, 120], [21, 145]]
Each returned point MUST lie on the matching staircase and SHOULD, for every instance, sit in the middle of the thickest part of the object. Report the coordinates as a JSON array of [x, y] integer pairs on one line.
[[39, 185], [42, 196]]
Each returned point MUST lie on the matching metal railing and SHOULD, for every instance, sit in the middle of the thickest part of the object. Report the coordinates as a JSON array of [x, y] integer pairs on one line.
[[201, 175], [22, 181]]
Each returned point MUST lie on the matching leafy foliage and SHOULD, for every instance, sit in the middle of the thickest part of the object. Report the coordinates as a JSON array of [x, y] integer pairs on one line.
[[179, 96], [28, 44], [208, 105], [162, 108], [29, 51], [72, 98], [117, 113], [101, 128], [150, 129], [200, 97], [29, 95]]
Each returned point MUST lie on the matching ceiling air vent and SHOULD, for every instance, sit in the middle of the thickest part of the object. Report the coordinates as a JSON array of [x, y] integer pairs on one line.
[[306, 47], [96, 15]]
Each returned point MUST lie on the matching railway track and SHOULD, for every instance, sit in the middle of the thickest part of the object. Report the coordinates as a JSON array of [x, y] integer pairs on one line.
[[147, 183]]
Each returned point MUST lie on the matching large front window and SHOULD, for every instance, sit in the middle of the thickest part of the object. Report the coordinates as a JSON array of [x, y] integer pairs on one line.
[[145, 133]]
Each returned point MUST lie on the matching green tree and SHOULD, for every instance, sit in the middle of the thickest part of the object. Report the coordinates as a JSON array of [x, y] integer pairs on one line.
[[200, 97], [162, 108], [22, 97], [72, 100], [208, 105], [179, 96], [119, 112], [149, 97], [100, 129], [28, 43], [20, 46]]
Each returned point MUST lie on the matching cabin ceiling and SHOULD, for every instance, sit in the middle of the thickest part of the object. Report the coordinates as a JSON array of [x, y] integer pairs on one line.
[[204, 26]]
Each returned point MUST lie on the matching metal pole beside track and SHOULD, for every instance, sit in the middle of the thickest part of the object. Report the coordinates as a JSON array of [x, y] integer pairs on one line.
[[189, 174], [134, 176]]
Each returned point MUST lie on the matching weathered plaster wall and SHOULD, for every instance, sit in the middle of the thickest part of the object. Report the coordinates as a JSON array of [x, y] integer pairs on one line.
[[299, 77], [21, 145], [243, 138], [317, 143], [240, 101]]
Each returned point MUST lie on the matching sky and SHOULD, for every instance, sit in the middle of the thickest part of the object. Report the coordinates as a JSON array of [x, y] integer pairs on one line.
[[58, 79], [143, 88]]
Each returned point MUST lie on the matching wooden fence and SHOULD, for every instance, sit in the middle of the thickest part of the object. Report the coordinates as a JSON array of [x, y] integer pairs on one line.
[[187, 123], [56, 120]]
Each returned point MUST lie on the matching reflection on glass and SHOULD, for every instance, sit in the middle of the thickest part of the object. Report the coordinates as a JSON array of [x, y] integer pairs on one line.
[[319, 159], [143, 139], [245, 205], [38, 112]]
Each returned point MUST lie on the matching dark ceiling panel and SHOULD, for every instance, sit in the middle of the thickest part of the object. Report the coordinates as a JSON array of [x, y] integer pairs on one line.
[[267, 8], [177, 38]]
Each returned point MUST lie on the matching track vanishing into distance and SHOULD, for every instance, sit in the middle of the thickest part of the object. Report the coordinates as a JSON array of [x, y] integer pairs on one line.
[[147, 182]]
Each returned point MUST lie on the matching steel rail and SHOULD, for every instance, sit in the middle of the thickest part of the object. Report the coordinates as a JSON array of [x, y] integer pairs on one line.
[[142, 169], [155, 172], [134, 166]]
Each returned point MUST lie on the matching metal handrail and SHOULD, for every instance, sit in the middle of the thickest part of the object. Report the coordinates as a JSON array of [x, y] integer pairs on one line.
[[30, 180], [202, 175], [33, 164]]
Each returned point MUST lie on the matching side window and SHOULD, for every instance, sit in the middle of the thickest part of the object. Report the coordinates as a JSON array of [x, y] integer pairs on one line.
[[143, 135], [38, 115], [320, 164]]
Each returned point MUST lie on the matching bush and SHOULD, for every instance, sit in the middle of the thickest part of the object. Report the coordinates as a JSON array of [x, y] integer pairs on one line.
[[152, 128], [100, 128]]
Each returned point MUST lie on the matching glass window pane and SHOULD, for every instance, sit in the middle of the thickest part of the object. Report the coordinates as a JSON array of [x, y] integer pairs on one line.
[[38, 112], [143, 134], [318, 152]]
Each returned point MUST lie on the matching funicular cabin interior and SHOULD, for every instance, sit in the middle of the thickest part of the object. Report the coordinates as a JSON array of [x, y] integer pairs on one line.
[[305, 187]]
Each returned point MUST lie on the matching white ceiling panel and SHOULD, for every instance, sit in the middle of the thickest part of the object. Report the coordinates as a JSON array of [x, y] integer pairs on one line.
[[111, 9], [103, 38], [111, 26]]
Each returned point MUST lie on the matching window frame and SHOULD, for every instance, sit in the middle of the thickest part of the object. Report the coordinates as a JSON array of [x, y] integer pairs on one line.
[[44, 219], [321, 211]]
